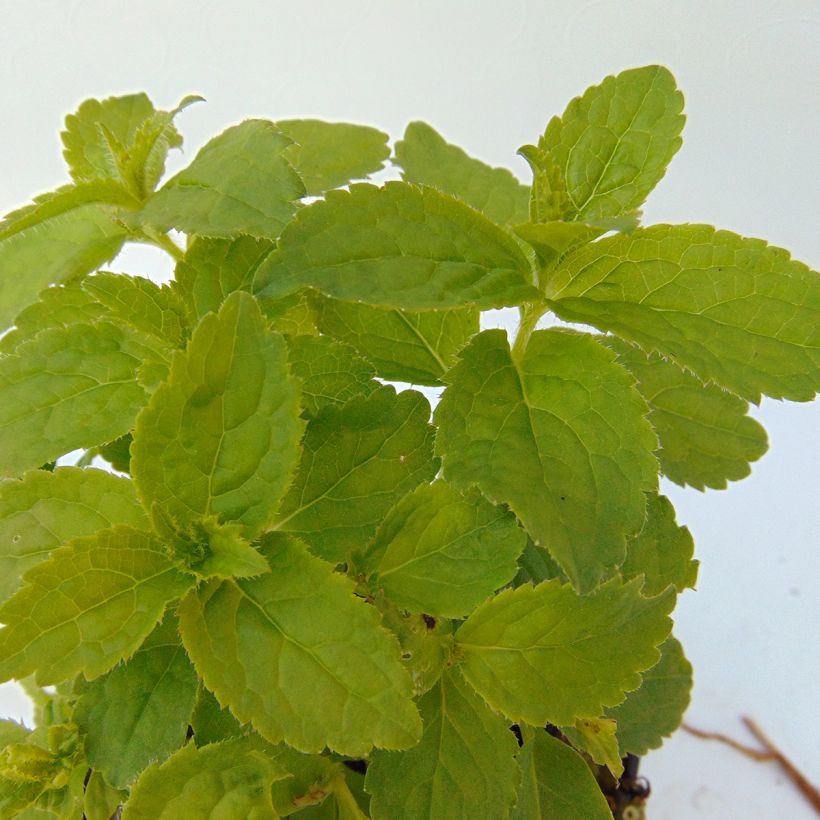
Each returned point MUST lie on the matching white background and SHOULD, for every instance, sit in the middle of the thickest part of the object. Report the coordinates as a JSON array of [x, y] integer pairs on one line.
[[488, 76]]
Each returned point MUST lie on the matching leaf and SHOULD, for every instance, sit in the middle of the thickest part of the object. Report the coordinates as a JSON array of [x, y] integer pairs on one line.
[[464, 766], [239, 183], [547, 655], [427, 159], [662, 551], [655, 710], [139, 711], [357, 460], [398, 246], [342, 803], [121, 138], [597, 737], [65, 388], [557, 783], [612, 144], [535, 565], [45, 510], [211, 722], [146, 306], [560, 436], [413, 347], [331, 372], [426, 643], [221, 780], [88, 606], [441, 552], [312, 779], [706, 437], [54, 249], [57, 306], [329, 154], [299, 656], [212, 269], [552, 240], [549, 199], [117, 453], [101, 800], [733, 310], [221, 436]]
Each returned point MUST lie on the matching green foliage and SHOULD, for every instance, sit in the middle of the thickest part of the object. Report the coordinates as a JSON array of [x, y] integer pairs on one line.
[[302, 565]]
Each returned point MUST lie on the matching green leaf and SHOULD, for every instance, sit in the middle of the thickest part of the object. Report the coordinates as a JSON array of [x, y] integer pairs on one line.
[[139, 711], [239, 183], [441, 552], [221, 436], [553, 240], [612, 144], [549, 199], [146, 306], [45, 510], [88, 606], [343, 802], [332, 372], [535, 564], [547, 655], [413, 347], [557, 784], [329, 154], [101, 800], [117, 453], [427, 159], [559, 435], [464, 766], [312, 779], [357, 460], [655, 710], [56, 247], [398, 246], [733, 310], [65, 388], [222, 780], [426, 643], [57, 306], [212, 269], [211, 722], [706, 437], [597, 738], [121, 138], [299, 656], [662, 551]]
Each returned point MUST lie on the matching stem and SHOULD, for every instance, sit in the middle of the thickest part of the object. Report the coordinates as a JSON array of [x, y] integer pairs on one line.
[[163, 242], [530, 314]]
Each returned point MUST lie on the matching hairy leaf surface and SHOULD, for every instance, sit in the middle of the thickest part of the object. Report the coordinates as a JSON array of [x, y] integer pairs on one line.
[[299, 656], [442, 553], [662, 551], [427, 159], [88, 606], [332, 372], [557, 783], [560, 436], [45, 510], [655, 710], [221, 436], [545, 654], [139, 711], [357, 460], [68, 387], [221, 780], [407, 346], [397, 246], [706, 437], [733, 310], [329, 154], [612, 144], [239, 183], [463, 767]]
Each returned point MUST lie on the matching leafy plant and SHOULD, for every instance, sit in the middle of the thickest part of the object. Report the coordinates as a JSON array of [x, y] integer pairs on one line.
[[297, 573]]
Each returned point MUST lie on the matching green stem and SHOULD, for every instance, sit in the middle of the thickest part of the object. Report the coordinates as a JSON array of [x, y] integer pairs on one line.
[[530, 314], [164, 242]]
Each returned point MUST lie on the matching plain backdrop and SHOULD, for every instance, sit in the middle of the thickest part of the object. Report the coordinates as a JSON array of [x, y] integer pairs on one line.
[[488, 76]]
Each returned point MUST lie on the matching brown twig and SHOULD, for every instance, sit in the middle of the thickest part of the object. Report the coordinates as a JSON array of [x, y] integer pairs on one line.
[[768, 752]]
